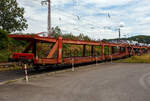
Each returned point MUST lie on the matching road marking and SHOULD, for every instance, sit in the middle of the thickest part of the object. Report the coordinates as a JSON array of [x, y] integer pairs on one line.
[[143, 81]]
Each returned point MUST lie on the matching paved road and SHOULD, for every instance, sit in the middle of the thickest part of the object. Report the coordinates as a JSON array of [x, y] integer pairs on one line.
[[106, 82], [10, 75]]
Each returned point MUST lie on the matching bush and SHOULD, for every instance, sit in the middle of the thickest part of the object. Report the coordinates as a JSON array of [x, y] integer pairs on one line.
[[3, 39], [4, 45], [4, 55]]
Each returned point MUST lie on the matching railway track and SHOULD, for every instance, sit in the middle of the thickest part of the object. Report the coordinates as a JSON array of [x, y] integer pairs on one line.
[[19, 73], [7, 64]]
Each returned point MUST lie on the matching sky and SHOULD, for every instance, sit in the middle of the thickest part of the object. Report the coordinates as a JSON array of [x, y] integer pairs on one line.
[[99, 19]]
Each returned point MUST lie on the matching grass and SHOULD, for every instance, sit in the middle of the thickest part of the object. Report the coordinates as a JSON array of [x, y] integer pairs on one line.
[[4, 55], [136, 59], [10, 68], [13, 68]]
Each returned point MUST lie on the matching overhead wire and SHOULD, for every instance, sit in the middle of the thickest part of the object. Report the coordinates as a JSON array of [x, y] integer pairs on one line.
[[77, 17], [75, 13]]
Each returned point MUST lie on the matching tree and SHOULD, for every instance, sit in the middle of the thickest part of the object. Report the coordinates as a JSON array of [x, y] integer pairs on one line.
[[56, 32], [12, 16]]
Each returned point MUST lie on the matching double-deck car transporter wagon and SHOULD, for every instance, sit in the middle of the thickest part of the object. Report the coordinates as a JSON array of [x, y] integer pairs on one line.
[[123, 50]]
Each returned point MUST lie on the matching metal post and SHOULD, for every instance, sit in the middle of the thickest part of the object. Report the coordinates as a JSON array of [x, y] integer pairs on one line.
[[96, 61], [26, 73], [111, 58], [109, 50], [119, 35], [49, 17], [73, 65]]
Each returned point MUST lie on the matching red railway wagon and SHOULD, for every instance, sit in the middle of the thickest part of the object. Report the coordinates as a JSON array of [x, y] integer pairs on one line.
[[28, 57], [123, 50]]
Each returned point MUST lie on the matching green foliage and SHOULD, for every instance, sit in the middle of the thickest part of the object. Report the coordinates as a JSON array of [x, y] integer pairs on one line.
[[106, 50], [82, 37], [11, 16], [69, 36], [4, 45], [9, 45], [139, 38], [3, 39], [56, 32], [4, 55]]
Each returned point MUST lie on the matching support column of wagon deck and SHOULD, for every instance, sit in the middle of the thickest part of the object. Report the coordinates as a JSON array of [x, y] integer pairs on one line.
[[132, 51], [92, 50], [127, 51], [148, 50], [34, 48], [84, 50], [102, 52], [141, 51], [113, 50], [109, 51], [60, 50]]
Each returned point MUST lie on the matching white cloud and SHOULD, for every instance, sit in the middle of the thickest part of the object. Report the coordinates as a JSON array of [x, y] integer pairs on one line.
[[93, 18], [106, 3]]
